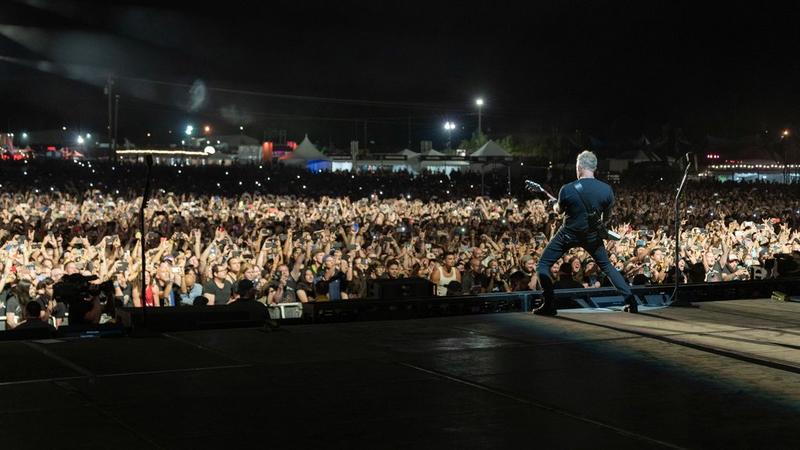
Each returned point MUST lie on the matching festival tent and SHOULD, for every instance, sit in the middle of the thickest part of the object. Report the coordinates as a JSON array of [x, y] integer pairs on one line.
[[409, 153], [412, 159], [490, 150], [307, 155], [435, 161], [491, 156], [431, 152]]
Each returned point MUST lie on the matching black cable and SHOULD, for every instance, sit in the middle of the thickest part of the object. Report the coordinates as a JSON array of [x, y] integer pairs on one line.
[[674, 301]]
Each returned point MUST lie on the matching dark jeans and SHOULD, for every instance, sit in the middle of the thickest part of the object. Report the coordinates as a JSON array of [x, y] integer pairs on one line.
[[565, 240]]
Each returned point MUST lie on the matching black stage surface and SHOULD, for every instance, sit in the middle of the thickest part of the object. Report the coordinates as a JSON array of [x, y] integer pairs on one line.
[[724, 375]]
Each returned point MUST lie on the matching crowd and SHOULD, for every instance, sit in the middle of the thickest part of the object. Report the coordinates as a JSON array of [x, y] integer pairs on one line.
[[217, 235]]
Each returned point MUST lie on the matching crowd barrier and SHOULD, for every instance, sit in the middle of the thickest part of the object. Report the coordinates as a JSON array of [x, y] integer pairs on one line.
[[256, 314], [658, 295]]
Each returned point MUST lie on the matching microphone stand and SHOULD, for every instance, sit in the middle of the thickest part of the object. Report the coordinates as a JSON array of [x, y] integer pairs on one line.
[[145, 199], [674, 301]]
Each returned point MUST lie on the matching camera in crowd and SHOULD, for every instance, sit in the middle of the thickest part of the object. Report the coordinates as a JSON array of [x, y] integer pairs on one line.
[[76, 291]]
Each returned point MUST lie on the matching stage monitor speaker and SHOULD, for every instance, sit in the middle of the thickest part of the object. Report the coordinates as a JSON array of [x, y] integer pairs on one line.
[[401, 288], [607, 301], [788, 264], [249, 314]]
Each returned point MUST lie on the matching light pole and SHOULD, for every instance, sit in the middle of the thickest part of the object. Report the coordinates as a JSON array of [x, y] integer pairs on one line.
[[116, 123], [479, 102], [449, 127]]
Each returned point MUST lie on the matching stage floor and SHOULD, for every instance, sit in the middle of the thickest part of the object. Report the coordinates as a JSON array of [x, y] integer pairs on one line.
[[723, 375]]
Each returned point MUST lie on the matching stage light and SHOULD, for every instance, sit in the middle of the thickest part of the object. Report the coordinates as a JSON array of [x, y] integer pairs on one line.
[[207, 129], [80, 140], [88, 136], [189, 130], [479, 102], [63, 128], [24, 135]]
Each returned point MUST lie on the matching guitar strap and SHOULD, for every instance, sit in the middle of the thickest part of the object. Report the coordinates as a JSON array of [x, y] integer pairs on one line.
[[604, 232], [579, 189]]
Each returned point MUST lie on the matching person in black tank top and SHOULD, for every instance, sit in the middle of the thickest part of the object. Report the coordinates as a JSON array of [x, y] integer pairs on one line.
[[575, 232]]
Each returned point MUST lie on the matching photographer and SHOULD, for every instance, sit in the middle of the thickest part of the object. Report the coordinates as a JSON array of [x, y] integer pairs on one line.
[[81, 297], [734, 270]]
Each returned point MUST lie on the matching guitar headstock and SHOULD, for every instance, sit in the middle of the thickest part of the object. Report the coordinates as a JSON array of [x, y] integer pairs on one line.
[[533, 186]]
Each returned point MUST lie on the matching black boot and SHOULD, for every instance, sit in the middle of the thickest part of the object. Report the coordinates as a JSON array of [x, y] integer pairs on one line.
[[547, 308], [631, 305]]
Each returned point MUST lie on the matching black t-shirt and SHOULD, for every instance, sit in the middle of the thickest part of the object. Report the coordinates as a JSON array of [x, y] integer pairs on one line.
[[671, 276], [697, 273], [13, 306], [4, 294], [598, 195], [221, 295], [308, 288], [567, 283], [714, 274], [520, 281], [475, 282], [77, 311]]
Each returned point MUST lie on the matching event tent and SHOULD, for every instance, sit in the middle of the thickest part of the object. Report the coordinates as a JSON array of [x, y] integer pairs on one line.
[[490, 150], [306, 154]]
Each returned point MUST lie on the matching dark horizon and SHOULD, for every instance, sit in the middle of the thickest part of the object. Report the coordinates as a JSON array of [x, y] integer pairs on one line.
[[614, 71]]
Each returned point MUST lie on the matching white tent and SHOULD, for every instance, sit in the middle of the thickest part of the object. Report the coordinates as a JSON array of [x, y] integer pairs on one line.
[[409, 153], [431, 152], [306, 154], [490, 149]]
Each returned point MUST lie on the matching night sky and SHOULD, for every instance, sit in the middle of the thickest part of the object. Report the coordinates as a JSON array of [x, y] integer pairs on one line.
[[611, 69]]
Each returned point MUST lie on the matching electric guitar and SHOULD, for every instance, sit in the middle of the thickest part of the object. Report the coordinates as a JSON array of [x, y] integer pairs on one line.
[[533, 186]]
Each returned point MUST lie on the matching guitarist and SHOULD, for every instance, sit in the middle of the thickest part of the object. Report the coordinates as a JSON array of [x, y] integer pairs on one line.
[[578, 200]]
